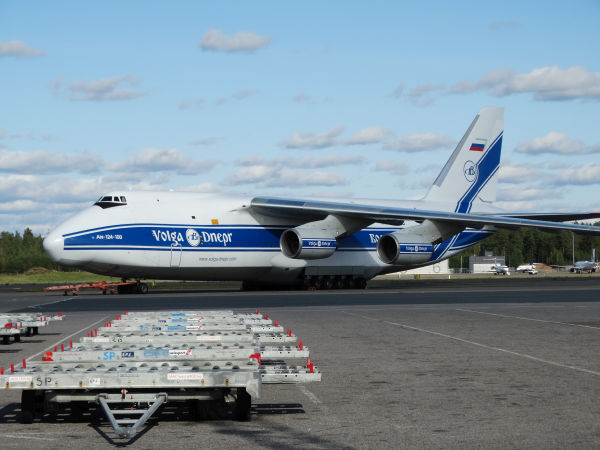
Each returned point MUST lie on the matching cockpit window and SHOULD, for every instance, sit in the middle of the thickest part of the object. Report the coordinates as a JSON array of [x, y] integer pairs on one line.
[[109, 201]]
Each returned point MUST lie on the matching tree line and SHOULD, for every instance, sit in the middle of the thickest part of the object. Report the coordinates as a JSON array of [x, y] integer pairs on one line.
[[20, 252], [531, 245]]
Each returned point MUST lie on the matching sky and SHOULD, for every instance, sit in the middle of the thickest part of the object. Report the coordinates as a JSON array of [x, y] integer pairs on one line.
[[334, 99]]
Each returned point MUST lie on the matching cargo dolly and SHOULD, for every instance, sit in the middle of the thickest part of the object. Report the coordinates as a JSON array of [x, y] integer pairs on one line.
[[27, 324], [130, 372]]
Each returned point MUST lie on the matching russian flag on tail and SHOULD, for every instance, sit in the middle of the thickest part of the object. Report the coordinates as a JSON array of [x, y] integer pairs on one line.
[[475, 147]]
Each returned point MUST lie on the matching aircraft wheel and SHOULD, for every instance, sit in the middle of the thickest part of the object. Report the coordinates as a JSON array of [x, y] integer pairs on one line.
[[142, 288], [329, 283], [243, 405], [27, 406], [340, 283], [360, 283], [318, 284]]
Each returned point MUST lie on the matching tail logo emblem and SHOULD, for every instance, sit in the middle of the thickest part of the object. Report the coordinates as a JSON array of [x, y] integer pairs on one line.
[[470, 171]]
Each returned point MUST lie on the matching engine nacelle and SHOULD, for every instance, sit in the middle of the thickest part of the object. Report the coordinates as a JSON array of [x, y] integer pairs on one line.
[[307, 243], [403, 249]]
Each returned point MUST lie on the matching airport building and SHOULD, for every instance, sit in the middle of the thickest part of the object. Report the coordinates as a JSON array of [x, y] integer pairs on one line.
[[439, 268], [483, 264]]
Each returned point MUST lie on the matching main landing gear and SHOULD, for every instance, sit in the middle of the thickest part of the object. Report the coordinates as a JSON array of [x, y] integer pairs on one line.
[[334, 282], [133, 288]]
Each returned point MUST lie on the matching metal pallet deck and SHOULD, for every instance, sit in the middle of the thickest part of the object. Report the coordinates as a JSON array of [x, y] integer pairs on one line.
[[183, 352], [124, 364]]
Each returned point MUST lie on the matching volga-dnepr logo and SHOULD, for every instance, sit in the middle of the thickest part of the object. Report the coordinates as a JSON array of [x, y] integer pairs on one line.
[[193, 237], [470, 171]]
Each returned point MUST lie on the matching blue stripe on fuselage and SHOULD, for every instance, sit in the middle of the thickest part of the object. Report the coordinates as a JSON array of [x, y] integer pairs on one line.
[[236, 239]]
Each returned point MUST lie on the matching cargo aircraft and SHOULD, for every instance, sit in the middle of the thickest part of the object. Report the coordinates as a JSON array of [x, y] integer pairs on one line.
[[270, 241]]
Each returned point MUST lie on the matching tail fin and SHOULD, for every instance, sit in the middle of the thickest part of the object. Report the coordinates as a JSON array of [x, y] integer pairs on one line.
[[471, 173]]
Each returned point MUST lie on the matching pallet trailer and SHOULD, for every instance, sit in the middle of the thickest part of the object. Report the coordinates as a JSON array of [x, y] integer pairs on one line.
[[130, 373], [123, 287], [27, 324]]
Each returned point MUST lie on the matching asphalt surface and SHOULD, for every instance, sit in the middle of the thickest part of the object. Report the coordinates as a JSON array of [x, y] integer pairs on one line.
[[426, 365]]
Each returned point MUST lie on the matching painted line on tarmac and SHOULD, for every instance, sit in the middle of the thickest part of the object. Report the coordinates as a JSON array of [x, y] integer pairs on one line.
[[528, 318], [26, 436], [477, 344], [313, 398], [67, 337]]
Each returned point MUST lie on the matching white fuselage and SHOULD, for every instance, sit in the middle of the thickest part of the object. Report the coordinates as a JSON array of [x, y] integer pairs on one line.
[[174, 235]]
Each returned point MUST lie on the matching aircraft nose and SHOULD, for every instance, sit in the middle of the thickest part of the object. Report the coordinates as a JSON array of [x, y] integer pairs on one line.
[[54, 246]]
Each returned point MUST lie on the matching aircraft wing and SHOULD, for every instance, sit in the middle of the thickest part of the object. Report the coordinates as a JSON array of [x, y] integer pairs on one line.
[[312, 209], [552, 217]]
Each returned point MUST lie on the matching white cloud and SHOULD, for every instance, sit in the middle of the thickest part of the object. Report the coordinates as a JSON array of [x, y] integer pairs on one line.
[[397, 93], [251, 174], [422, 94], [511, 173], [397, 168], [278, 176], [239, 95], [242, 41], [50, 189], [294, 178], [301, 163], [517, 206], [19, 206], [431, 166], [187, 104], [301, 97], [39, 162], [545, 83], [555, 142], [325, 161], [18, 49], [163, 160], [588, 174], [370, 135], [206, 187], [314, 140], [419, 142], [105, 89], [518, 192]]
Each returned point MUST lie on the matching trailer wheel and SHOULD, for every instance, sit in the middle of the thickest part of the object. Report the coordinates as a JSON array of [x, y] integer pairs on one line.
[[243, 404], [27, 406]]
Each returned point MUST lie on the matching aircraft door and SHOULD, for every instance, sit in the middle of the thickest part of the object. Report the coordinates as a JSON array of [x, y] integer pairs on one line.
[[176, 250]]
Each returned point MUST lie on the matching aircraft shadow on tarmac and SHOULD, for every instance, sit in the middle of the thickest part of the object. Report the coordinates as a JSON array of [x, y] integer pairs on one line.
[[160, 301]]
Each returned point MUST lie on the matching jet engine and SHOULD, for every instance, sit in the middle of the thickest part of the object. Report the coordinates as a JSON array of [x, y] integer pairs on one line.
[[318, 239], [400, 248], [414, 245], [302, 243]]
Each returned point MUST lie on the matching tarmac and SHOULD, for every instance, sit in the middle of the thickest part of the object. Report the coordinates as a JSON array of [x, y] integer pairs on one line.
[[494, 364]]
